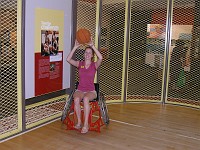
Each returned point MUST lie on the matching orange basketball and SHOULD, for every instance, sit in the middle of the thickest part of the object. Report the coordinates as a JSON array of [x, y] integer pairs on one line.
[[83, 36]]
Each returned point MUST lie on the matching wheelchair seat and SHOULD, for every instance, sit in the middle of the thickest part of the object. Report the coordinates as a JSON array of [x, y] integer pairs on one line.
[[97, 105]]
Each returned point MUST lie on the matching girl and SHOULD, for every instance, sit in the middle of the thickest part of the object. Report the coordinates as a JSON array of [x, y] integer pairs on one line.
[[86, 90]]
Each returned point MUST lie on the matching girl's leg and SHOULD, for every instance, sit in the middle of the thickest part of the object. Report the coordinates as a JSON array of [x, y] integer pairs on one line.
[[78, 95], [86, 112], [86, 101]]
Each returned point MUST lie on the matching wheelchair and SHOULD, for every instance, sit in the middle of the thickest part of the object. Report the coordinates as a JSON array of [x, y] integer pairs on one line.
[[97, 105]]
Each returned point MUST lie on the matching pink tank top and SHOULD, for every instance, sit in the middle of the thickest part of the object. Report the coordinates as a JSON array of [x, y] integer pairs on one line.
[[86, 77]]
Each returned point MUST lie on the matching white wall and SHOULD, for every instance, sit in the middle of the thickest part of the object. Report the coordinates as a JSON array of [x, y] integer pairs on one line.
[[31, 5]]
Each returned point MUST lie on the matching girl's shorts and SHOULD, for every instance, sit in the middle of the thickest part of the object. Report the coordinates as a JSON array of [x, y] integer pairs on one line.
[[89, 91]]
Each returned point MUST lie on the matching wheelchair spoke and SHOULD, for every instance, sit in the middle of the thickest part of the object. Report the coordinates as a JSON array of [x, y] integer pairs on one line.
[[104, 110], [66, 110]]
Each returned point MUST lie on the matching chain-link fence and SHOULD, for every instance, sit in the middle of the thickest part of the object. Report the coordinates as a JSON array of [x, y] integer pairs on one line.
[[8, 66], [184, 54], [112, 48]]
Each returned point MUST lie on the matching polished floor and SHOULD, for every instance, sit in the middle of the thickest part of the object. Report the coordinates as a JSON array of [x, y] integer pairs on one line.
[[133, 126]]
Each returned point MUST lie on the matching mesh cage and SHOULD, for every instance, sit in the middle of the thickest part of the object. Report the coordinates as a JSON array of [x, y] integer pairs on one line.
[[112, 48], [86, 18], [146, 53], [8, 66], [45, 111], [184, 54]]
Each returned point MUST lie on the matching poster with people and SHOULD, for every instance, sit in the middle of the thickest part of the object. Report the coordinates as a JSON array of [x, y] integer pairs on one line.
[[49, 51], [156, 31], [49, 42]]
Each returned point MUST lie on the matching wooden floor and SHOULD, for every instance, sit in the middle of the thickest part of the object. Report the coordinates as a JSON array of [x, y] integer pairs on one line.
[[133, 126]]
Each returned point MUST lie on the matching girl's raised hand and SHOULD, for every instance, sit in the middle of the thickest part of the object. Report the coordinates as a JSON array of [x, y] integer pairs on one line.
[[77, 44], [91, 44]]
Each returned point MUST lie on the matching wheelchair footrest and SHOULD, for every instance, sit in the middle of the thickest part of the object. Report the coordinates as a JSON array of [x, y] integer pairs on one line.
[[96, 126], [69, 123], [95, 121]]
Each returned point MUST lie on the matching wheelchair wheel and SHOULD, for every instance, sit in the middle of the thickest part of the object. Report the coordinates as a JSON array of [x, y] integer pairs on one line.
[[104, 110], [66, 110]]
